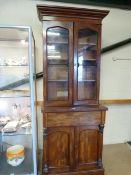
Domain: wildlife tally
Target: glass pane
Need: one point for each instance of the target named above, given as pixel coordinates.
(57, 35)
(58, 72)
(57, 55)
(57, 90)
(15, 107)
(87, 65)
(86, 90)
(86, 73)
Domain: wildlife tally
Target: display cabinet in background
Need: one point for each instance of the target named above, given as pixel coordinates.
(18, 145)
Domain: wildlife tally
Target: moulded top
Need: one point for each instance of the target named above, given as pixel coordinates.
(60, 11)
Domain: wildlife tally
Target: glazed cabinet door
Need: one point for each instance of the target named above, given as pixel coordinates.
(58, 53)
(88, 148)
(58, 152)
(86, 63)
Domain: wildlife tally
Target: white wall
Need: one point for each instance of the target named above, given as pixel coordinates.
(116, 27)
(118, 124)
(116, 84)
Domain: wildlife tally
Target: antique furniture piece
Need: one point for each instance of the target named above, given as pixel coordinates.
(73, 120)
(17, 111)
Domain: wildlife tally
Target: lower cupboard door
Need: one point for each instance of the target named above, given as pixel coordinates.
(59, 149)
(87, 150)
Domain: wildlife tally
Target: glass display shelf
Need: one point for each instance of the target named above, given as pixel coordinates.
(12, 66)
(19, 131)
(18, 150)
(14, 93)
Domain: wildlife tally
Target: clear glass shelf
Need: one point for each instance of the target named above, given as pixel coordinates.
(12, 66)
(20, 131)
(14, 93)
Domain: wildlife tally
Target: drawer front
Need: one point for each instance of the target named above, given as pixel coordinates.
(73, 118)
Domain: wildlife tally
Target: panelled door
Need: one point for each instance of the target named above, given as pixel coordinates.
(58, 56)
(59, 150)
(86, 63)
(87, 147)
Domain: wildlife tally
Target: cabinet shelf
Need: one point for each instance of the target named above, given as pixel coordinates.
(87, 65)
(57, 62)
(89, 44)
(86, 81)
(89, 60)
(87, 47)
(91, 64)
(57, 42)
(58, 81)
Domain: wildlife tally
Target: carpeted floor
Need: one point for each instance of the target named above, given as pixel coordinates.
(117, 159)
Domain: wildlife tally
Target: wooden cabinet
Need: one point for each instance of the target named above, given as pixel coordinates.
(73, 140)
(73, 120)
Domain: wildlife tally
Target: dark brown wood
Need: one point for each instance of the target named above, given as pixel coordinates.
(59, 11)
(87, 147)
(73, 127)
(90, 172)
(55, 12)
(100, 145)
(45, 145)
(60, 149)
(83, 133)
(75, 109)
(73, 119)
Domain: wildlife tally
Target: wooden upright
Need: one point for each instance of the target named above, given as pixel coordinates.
(73, 120)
